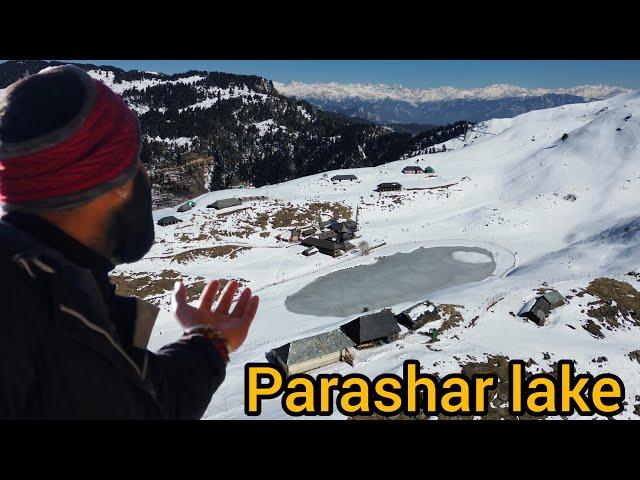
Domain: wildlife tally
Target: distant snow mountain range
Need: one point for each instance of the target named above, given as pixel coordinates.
(381, 91)
(385, 103)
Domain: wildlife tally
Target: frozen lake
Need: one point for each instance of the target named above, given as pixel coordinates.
(397, 278)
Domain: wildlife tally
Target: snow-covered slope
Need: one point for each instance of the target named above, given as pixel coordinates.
(550, 211)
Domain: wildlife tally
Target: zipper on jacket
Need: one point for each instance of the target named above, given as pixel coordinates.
(96, 328)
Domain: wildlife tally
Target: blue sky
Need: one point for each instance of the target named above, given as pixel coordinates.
(414, 73)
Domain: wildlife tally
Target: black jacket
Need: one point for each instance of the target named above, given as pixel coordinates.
(70, 351)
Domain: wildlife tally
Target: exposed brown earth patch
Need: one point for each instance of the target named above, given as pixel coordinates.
(230, 251)
(300, 215)
(618, 306)
(452, 316)
(153, 286)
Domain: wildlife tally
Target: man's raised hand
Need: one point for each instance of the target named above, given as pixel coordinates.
(233, 325)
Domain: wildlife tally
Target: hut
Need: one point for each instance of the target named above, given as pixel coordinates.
(187, 206)
(170, 220)
(313, 352)
(412, 169)
(327, 247)
(342, 178)
(372, 329)
(344, 230)
(416, 316)
(389, 187)
(225, 203)
(537, 309)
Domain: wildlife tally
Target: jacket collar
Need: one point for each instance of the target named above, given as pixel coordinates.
(75, 294)
(67, 246)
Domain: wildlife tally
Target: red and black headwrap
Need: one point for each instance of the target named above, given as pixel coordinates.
(73, 150)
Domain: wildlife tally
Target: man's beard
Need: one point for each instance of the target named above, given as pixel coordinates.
(132, 231)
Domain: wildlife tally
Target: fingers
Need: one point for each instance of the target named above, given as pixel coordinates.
(209, 295)
(243, 301)
(245, 322)
(252, 308)
(226, 299)
(179, 295)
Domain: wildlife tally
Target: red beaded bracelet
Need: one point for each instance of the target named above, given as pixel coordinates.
(213, 335)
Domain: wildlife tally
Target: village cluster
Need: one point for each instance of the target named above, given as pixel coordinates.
(330, 237)
(379, 328)
(218, 205)
(366, 331)
(334, 237)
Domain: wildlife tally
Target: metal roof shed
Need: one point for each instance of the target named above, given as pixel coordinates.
(170, 220)
(416, 316)
(554, 298)
(187, 206)
(225, 203)
(536, 310)
(389, 186)
(340, 178)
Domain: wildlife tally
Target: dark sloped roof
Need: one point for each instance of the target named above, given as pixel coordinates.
(186, 206)
(225, 203)
(542, 304)
(389, 185)
(170, 220)
(324, 244)
(371, 327)
(342, 227)
(537, 309)
(326, 223)
(312, 347)
(327, 234)
(346, 246)
(554, 298)
(412, 168)
(344, 177)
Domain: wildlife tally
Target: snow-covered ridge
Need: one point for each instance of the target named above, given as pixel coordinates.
(107, 77)
(370, 91)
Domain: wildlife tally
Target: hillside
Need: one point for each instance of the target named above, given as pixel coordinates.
(206, 131)
(547, 213)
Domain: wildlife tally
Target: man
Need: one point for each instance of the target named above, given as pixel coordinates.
(77, 202)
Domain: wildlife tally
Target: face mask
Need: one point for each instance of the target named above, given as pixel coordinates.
(132, 228)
